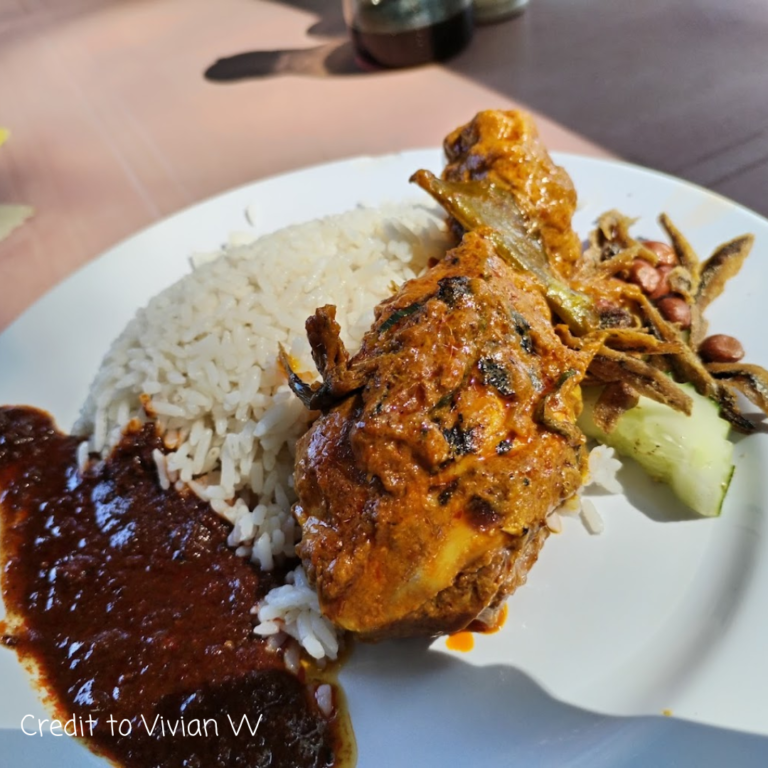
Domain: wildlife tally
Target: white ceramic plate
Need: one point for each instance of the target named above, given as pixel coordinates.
(661, 612)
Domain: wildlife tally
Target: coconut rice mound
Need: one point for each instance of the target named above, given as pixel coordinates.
(200, 362)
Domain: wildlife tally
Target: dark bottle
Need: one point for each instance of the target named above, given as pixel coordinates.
(406, 33)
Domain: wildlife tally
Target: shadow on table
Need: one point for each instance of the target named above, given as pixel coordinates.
(332, 58)
(440, 710)
(336, 58)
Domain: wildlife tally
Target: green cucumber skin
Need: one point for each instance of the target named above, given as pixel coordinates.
(691, 454)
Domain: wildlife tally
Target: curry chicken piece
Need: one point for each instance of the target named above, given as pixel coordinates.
(423, 490)
(424, 485)
(504, 148)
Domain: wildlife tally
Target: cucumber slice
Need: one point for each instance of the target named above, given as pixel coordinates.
(692, 454)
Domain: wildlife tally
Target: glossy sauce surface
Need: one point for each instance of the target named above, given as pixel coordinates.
(465, 641)
(128, 601)
(460, 641)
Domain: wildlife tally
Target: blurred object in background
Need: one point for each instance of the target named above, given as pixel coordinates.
(490, 11)
(11, 216)
(406, 33)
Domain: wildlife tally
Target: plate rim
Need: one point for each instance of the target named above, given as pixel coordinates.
(324, 166)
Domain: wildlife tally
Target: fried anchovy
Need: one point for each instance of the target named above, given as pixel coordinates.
(751, 380)
(720, 267)
(639, 342)
(685, 253)
(613, 402)
(618, 263)
(611, 365)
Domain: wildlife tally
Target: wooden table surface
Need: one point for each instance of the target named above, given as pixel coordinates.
(677, 85)
(114, 124)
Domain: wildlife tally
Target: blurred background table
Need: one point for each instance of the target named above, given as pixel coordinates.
(114, 124)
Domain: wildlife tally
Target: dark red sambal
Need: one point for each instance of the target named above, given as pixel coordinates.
(127, 601)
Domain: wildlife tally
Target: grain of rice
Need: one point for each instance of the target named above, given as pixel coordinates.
(324, 634)
(554, 522)
(603, 466)
(307, 637)
(196, 433)
(292, 658)
(82, 456)
(162, 472)
(324, 699)
(262, 553)
(591, 517)
(266, 628)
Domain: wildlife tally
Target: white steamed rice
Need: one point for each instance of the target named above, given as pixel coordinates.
(200, 360)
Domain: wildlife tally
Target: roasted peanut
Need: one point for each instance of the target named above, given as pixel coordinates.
(721, 349)
(663, 288)
(665, 253)
(676, 310)
(644, 275)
